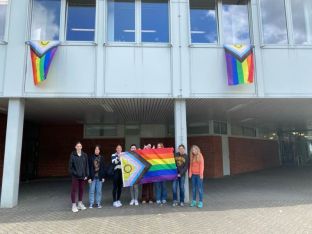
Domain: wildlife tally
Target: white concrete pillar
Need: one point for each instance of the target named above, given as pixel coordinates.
(12, 154)
(225, 156)
(181, 134)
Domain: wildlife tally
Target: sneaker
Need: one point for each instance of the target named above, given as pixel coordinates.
(74, 208)
(193, 203)
(90, 206)
(99, 206)
(200, 204)
(132, 203)
(175, 203)
(119, 203)
(143, 202)
(158, 202)
(164, 201)
(136, 202)
(81, 206)
(115, 204)
(181, 204)
(150, 202)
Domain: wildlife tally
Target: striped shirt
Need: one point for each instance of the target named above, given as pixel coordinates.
(116, 161)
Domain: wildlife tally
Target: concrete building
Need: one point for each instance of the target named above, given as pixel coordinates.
(143, 71)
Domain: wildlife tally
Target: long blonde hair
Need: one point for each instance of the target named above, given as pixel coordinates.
(195, 157)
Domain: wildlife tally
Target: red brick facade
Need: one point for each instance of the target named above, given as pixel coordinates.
(248, 155)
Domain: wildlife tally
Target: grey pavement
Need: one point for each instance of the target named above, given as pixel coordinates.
(271, 201)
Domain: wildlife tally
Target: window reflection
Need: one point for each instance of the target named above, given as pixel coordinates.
(80, 20)
(235, 22)
(45, 20)
(274, 22)
(203, 21)
(155, 21)
(302, 21)
(121, 20)
(3, 9)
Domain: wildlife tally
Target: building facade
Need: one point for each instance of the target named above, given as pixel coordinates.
(144, 71)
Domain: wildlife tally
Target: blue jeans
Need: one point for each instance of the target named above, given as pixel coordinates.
(95, 187)
(161, 191)
(178, 182)
(197, 183)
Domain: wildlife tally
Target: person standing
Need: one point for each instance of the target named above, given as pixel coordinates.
(96, 177)
(117, 178)
(134, 190)
(79, 171)
(196, 173)
(148, 189)
(161, 190)
(182, 163)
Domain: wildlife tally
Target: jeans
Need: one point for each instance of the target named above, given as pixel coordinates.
(147, 192)
(77, 184)
(117, 185)
(178, 182)
(134, 190)
(161, 191)
(95, 187)
(197, 183)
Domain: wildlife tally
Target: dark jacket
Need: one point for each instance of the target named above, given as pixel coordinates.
(78, 165)
(182, 162)
(92, 172)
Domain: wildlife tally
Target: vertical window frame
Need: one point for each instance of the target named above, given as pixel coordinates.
(4, 40)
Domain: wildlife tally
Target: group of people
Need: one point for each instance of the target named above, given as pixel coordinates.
(92, 168)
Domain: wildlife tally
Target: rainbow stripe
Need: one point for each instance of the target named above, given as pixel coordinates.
(41, 53)
(240, 64)
(163, 166)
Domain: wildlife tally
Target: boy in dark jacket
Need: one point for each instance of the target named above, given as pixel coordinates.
(182, 163)
(96, 177)
(79, 170)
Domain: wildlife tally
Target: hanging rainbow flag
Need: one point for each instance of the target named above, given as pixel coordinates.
(42, 53)
(240, 64)
(148, 166)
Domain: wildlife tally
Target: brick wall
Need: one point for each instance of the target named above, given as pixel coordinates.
(58, 141)
(247, 155)
(3, 120)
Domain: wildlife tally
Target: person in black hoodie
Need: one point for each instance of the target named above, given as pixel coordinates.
(96, 177)
(79, 170)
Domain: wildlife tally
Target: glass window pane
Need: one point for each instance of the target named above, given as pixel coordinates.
(274, 22)
(45, 20)
(235, 22)
(302, 21)
(80, 20)
(121, 20)
(155, 21)
(3, 9)
(203, 21)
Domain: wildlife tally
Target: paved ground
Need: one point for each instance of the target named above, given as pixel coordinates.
(272, 201)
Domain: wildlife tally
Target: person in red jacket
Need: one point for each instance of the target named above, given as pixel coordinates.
(196, 173)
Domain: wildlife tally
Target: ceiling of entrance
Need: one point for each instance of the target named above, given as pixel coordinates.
(267, 113)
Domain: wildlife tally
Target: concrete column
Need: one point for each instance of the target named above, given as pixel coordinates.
(225, 156)
(12, 154)
(181, 133)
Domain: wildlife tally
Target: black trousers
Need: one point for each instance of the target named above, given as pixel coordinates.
(117, 185)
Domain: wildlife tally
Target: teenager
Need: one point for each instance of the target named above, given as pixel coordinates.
(134, 190)
(161, 190)
(79, 171)
(96, 177)
(182, 163)
(148, 189)
(196, 173)
(117, 178)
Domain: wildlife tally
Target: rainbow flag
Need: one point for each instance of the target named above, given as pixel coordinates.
(42, 53)
(240, 64)
(148, 166)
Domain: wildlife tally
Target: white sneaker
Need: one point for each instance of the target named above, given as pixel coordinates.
(164, 201)
(158, 202)
(119, 203)
(115, 204)
(132, 203)
(81, 206)
(74, 208)
(136, 202)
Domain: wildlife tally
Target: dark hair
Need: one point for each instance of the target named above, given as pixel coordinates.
(161, 144)
(98, 146)
(133, 145)
(78, 142)
(181, 146)
(118, 145)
